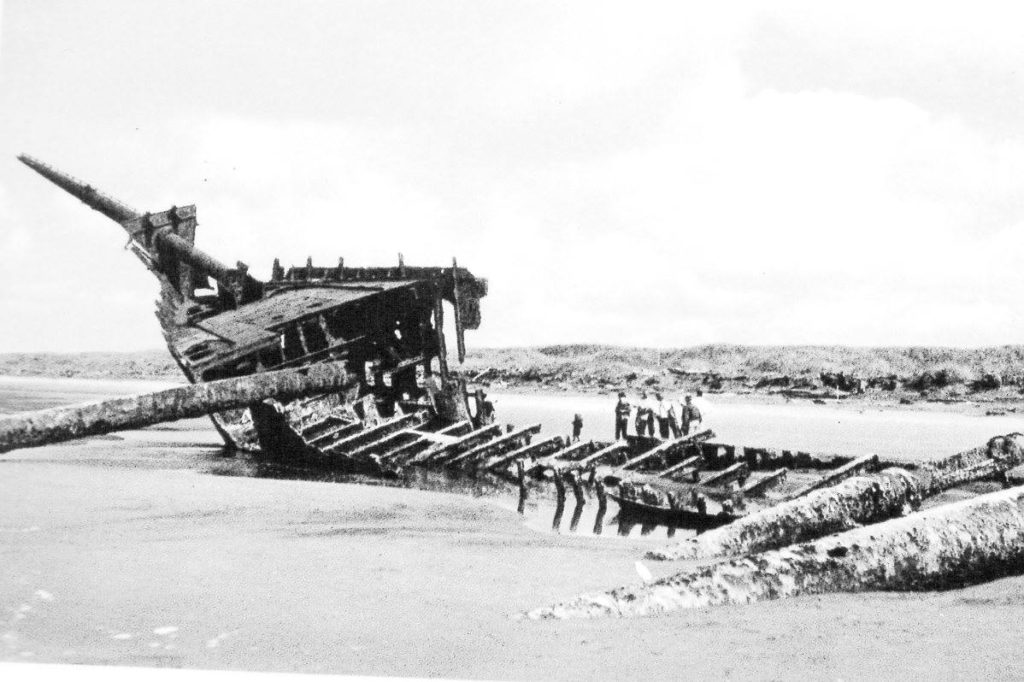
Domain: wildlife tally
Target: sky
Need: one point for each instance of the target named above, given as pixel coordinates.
(626, 173)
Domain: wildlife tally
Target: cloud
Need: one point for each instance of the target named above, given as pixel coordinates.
(781, 217)
(653, 175)
(748, 217)
(955, 63)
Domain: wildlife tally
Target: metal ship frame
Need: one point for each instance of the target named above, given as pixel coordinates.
(386, 324)
(395, 404)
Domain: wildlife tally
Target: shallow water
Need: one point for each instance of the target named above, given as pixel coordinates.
(194, 444)
(803, 426)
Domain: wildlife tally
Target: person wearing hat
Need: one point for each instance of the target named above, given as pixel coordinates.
(691, 414)
(643, 414)
(622, 410)
(487, 415)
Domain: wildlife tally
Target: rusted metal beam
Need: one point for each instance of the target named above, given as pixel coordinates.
(596, 457)
(948, 546)
(731, 473)
(460, 332)
(387, 440)
(373, 433)
(484, 448)
(665, 448)
(860, 465)
(442, 450)
(426, 438)
(761, 485)
(530, 450)
(335, 433)
(442, 348)
(30, 429)
(561, 455)
(694, 461)
(87, 194)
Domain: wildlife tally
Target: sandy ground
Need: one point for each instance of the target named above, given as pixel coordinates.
(1004, 402)
(125, 550)
(136, 561)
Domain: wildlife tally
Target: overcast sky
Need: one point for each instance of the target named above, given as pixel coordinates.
(623, 173)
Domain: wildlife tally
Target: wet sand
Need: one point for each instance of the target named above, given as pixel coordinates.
(127, 551)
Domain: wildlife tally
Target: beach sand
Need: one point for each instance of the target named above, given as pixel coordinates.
(125, 550)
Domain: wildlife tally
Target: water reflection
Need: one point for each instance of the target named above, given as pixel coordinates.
(542, 505)
(410, 477)
(577, 514)
(602, 507)
(556, 523)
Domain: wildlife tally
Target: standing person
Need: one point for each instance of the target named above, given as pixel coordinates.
(641, 414)
(675, 410)
(661, 413)
(649, 407)
(577, 427)
(690, 414)
(486, 410)
(622, 410)
(702, 405)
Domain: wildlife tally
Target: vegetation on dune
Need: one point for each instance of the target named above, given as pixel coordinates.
(153, 364)
(591, 365)
(594, 366)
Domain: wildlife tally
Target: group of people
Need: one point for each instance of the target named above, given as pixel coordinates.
(673, 418)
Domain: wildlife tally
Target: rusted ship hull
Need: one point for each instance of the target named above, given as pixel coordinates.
(386, 324)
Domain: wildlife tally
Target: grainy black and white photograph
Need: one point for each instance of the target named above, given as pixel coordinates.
(494, 340)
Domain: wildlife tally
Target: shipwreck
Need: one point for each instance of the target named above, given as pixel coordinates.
(348, 367)
(381, 328)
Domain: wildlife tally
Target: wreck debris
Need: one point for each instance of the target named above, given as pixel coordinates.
(539, 449)
(602, 506)
(944, 547)
(856, 501)
(384, 327)
(57, 424)
(688, 463)
(857, 466)
(510, 441)
(384, 324)
(664, 449)
(859, 500)
(524, 490)
(31, 429)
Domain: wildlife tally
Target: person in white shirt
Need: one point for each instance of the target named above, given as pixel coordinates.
(661, 412)
(675, 414)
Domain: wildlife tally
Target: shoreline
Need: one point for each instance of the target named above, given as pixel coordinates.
(990, 406)
(943, 380)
